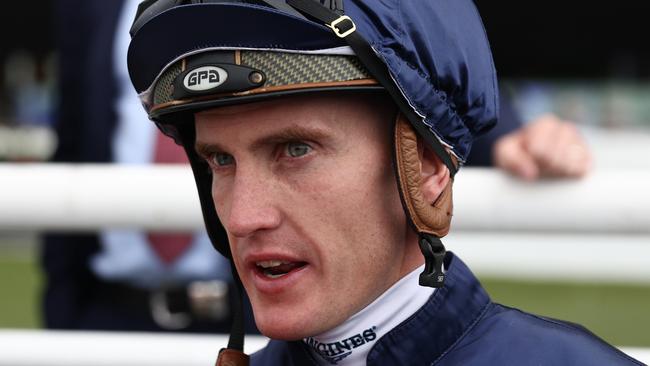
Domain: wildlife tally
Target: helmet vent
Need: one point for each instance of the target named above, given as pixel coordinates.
(165, 86)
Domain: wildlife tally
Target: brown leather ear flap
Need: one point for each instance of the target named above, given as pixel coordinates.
(431, 218)
(232, 357)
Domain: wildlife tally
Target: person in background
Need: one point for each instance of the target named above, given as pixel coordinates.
(546, 147)
(121, 279)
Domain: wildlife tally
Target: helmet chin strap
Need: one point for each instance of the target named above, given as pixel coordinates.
(234, 355)
(430, 220)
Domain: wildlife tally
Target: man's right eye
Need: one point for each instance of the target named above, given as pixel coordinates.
(222, 159)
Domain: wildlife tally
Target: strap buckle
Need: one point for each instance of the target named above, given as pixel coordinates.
(209, 299)
(163, 316)
(334, 26)
(177, 308)
(434, 256)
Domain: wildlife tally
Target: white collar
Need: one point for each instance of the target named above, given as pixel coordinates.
(349, 343)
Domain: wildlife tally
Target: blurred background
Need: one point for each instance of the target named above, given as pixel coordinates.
(586, 62)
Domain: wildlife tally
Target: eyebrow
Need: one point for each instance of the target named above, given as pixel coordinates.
(290, 133)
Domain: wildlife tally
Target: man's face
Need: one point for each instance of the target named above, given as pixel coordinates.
(306, 191)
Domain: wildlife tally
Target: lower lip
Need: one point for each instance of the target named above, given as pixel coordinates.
(276, 285)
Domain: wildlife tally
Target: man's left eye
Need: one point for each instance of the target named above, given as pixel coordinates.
(297, 149)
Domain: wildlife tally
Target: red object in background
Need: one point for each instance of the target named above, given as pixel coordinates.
(169, 246)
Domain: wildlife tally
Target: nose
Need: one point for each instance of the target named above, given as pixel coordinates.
(251, 207)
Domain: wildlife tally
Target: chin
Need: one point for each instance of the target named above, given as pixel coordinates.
(288, 322)
(283, 330)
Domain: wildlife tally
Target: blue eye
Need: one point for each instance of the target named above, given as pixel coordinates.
(221, 159)
(298, 149)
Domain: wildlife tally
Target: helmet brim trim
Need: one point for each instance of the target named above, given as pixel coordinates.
(191, 27)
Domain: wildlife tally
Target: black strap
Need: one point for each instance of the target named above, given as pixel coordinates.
(315, 10)
(434, 255)
(236, 340)
(343, 25)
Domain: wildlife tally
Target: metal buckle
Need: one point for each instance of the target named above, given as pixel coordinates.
(163, 316)
(209, 299)
(337, 31)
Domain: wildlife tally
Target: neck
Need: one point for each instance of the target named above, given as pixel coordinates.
(349, 343)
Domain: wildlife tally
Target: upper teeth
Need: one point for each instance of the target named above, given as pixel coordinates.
(269, 264)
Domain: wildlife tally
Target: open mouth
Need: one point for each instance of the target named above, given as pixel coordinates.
(277, 268)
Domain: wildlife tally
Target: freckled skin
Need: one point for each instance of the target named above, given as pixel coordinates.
(336, 207)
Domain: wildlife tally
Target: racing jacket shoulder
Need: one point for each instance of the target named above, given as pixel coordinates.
(460, 325)
(508, 336)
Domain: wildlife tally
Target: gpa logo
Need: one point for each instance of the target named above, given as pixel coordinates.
(204, 78)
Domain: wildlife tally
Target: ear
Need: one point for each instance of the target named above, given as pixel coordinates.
(434, 173)
(423, 180)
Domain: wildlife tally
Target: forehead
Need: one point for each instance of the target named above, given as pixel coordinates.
(328, 112)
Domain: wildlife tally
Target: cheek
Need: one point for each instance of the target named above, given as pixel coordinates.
(232, 242)
(221, 203)
(219, 192)
(358, 210)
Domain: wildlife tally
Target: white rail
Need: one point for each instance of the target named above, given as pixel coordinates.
(70, 348)
(87, 197)
(58, 348)
(543, 256)
(593, 229)
(596, 229)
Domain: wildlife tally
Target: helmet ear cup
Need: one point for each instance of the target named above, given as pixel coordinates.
(431, 218)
